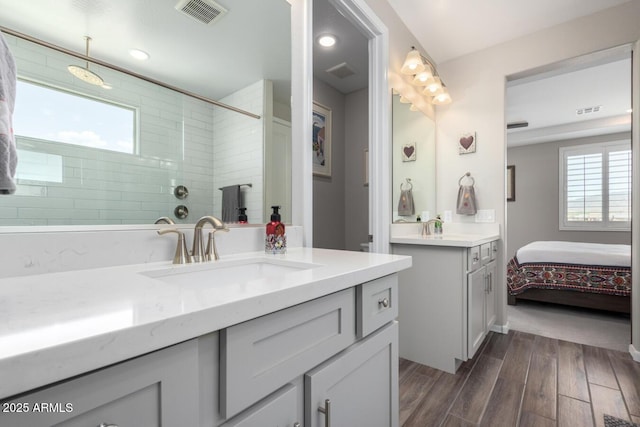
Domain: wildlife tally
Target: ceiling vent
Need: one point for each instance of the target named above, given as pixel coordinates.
(588, 110)
(341, 71)
(205, 11)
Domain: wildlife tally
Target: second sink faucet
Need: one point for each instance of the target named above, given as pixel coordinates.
(198, 252)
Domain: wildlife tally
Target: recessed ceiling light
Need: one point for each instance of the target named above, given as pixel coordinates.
(139, 54)
(327, 40)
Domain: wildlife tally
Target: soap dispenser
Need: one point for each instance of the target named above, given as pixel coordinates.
(276, 240)
(242, 216)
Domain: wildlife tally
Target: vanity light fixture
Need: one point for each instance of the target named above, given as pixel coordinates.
(413, 63)
(84, 73)
(413, 108)
(138, 54)
(425, 74)
(404, 100)
(422, 78)
(327, 40)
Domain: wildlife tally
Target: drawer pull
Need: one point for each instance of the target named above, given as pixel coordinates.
(326, 410)
(384, 302)
(107, 425)
(296, 425)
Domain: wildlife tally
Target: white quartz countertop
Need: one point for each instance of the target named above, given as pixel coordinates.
(54, 326)
(464, 240)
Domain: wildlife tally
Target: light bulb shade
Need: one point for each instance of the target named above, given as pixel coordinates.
(413, 108)
(85, 75)
(442, 99)
(433, 86)
(422, 78)
(413, 63)
(404, 100)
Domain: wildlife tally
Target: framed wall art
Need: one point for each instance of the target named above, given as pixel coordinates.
(321, 140)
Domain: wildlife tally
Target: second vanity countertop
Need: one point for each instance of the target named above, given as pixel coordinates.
(54, 326)
(459, 240)
(455, 234)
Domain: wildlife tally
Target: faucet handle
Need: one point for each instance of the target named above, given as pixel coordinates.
(212, 252)
(182, 253)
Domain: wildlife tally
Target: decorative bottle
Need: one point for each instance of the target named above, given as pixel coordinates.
(276, 240)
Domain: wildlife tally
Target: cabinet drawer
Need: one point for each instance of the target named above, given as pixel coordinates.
(485, 253)
(138, 392)
(376, 304)
(279, 409)
(473, 258)
(263, 354)
(494, 250)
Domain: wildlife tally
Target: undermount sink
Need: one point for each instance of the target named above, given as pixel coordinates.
(231, 272)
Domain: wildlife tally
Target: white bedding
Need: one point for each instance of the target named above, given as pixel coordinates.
(575, 253)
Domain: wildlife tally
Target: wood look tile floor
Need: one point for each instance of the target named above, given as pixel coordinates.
(525, 380)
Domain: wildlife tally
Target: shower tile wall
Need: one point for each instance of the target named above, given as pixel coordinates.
(239, 149)
(175, 147)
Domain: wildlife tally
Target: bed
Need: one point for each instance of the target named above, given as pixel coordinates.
(590, 275)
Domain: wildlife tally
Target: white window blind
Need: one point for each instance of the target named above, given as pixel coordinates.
(595, 186)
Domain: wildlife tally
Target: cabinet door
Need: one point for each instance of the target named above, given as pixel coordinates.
(358, 387)
(490, 312)
(158, 389)
(476, 328)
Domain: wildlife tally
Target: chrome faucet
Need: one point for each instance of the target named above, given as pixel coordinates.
(198, 252)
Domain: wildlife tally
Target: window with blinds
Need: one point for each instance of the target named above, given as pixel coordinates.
(595, 186)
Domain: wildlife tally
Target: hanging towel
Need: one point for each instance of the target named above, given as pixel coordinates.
(8, 156)
(405, 204)
(466, 200)
(230, 203)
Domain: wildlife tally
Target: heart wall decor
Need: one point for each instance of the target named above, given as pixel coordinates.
(409, 152)
(467, 143)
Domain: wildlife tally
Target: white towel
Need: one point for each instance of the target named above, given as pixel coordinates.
(8, 156)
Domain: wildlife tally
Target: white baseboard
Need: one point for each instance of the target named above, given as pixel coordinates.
(634, 353)
(501, 329)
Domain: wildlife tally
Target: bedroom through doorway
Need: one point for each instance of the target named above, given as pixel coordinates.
(568, 236)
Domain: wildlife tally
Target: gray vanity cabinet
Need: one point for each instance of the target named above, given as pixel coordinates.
(447, 302)
(358, 387)
(342, 346)
(156, 389)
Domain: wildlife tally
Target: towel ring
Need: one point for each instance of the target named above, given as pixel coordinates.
(468, 174)
(408, 183)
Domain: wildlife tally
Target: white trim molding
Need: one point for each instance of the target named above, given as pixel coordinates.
(635, 354)
(301, 111)
(361, 15)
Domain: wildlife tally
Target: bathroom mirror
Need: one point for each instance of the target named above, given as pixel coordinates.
(85, 174)
(414, 164)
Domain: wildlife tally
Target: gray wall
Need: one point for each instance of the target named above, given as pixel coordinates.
(328, 193)
(534, 214)
(356, 193)
(341, 203)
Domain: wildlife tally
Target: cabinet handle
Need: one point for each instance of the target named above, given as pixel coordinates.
(296, 425)
(475, 258)
(383, 302)
(490, 282)
(107, 425)
(326, 410)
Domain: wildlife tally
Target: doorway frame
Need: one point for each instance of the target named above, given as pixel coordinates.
(363, 17)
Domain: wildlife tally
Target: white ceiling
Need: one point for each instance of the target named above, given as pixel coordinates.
(250, 42)
(451, 28)
(351, 48)
(547, 99)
